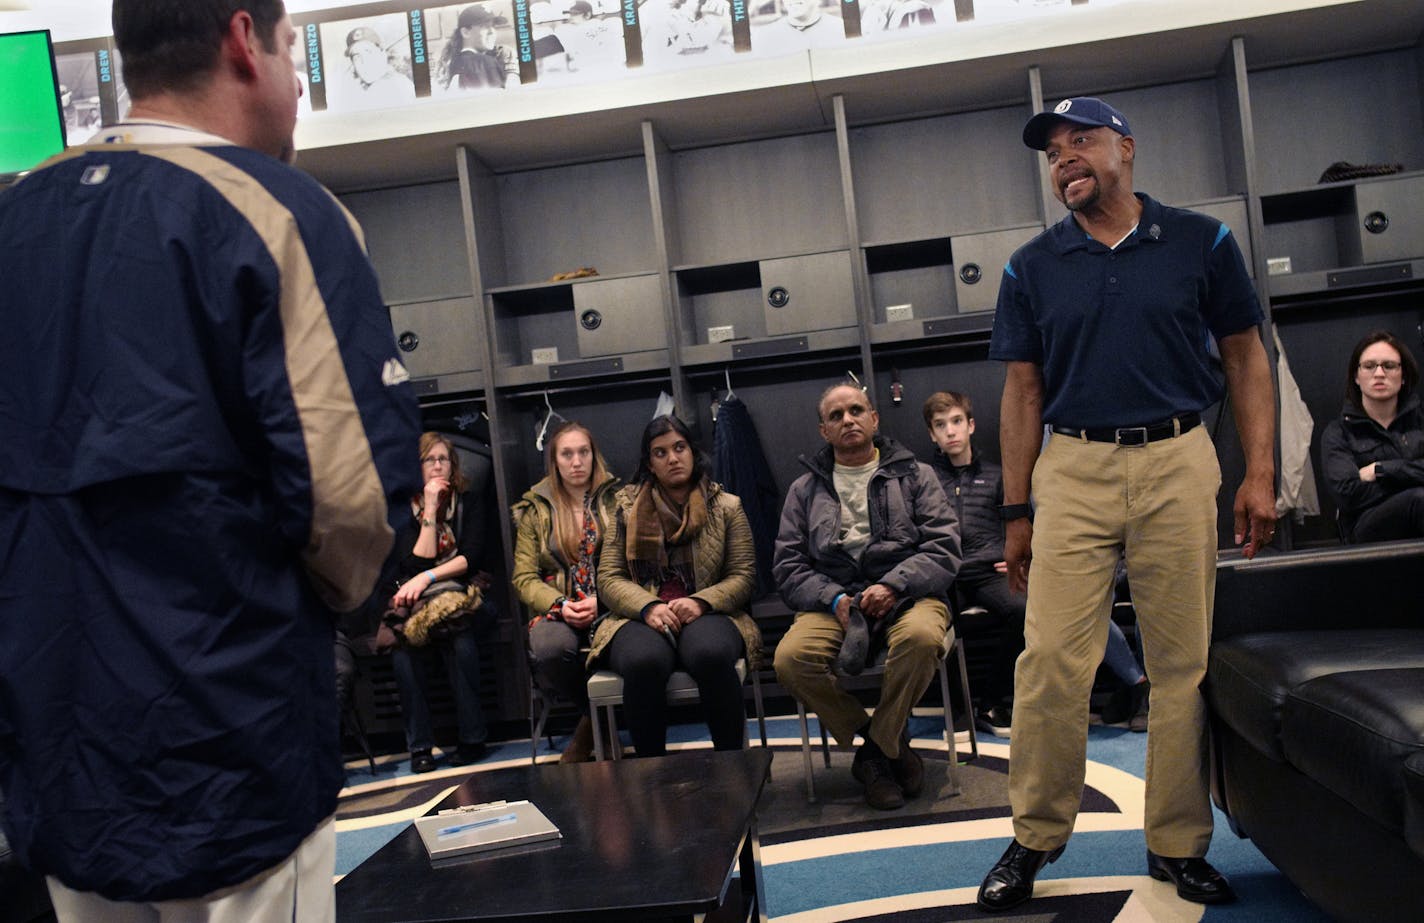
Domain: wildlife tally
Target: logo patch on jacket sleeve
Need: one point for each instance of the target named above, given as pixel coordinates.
(393, 373)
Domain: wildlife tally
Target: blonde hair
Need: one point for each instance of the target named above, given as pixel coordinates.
(568, 513)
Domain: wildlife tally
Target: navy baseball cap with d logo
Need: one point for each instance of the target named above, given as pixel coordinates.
(1080, 110)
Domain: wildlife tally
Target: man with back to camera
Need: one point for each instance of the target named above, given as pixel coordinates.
(975, 489)
(205, 437)
(866, 536)
(1105, 321)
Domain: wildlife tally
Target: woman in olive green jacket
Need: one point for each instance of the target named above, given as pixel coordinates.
(676, 575)
(560, 524)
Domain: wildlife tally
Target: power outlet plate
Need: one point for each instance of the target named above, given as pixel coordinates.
(547, 355)
(899, 312)
(721, 334)
(1278, 266)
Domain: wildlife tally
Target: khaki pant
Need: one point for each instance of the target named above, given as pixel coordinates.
(299, 888)
(1157, 503)
(805, 655)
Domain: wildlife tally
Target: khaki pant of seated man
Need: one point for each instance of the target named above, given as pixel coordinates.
(916, 642)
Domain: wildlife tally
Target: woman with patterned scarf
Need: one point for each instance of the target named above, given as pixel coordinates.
(560, 524)
(676, 575)
(438, 603)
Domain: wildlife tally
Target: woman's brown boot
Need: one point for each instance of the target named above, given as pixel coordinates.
(580, 748)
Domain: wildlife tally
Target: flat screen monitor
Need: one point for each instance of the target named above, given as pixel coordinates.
(31, 112)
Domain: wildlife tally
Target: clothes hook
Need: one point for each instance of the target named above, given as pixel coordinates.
(549, 418)
(727, 377)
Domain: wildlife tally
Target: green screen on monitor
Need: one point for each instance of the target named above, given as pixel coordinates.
(31, 118)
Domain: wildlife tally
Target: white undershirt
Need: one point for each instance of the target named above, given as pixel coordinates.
(853, 487)
(1124, 237)
(153, 131)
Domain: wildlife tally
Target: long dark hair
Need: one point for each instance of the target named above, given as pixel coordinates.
(669, 423)
(456, 43)
(1408, 368)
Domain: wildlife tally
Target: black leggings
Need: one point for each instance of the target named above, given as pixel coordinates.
(1401, 516)
(708, 649)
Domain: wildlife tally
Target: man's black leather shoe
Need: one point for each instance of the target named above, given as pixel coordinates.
(1010, 882)
(421, 761)
(1195, 879)
(909, 769)
(871, 769)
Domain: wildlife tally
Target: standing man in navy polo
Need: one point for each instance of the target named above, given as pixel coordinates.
(1105, 322)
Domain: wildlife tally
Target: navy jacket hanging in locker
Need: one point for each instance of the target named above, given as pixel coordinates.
(739, 464)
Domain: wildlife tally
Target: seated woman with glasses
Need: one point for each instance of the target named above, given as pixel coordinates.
(1374, 452)
(439, 607)
(675, 575)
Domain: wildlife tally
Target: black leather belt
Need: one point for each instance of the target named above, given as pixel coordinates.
(1135, 435)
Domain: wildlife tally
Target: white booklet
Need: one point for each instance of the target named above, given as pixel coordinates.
(477, 827)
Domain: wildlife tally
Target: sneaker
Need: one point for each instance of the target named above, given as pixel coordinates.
(468, 753)
(421, 761)
(1140, 695)
(882, 792)
(997, 720)
(855, 646)
(1120, 706)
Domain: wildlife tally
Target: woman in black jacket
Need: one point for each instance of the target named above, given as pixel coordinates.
(1374, 453)
(442, 541)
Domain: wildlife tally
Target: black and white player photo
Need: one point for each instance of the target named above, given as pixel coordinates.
(79, 94)
(472, 47)
(367, 63)
(679, 33)
(786, 26)
(1009, 10)
(586, 44)
(892, 18)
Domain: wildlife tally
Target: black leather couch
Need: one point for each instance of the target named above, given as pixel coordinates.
(1316, 691)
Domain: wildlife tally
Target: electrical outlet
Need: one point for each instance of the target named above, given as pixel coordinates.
(1278, 266)
(720, 334)
(899, 312)
(546, 356)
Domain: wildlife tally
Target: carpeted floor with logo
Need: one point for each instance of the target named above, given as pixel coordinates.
(838, 860)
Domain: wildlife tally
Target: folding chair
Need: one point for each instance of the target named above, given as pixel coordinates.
(871, 679)
(605, 691)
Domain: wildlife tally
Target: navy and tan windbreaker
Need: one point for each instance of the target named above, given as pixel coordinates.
(204, 437)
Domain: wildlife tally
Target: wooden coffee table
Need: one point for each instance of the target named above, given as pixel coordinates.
(655, 840)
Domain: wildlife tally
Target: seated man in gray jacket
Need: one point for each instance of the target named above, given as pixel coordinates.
(868, 546)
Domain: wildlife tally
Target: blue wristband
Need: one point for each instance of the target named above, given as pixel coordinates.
(430, 576)
(836, 602)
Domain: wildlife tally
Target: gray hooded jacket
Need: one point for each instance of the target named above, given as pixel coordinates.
(914, 535)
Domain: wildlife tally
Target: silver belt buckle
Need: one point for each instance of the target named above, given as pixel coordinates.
(1130, 436)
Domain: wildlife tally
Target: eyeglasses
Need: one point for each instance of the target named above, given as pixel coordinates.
(435, 460)
(1389, 365)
